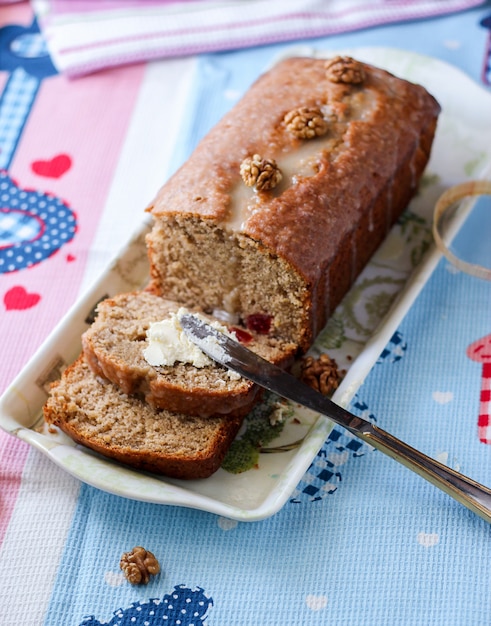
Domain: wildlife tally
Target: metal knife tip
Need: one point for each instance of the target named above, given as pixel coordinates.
(205, 337)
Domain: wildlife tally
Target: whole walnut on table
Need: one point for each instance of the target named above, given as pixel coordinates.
(138, 565)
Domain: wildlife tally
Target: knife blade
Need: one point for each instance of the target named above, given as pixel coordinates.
(232, 355)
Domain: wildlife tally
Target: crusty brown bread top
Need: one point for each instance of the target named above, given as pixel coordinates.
(96, 414)
(114, 348)
(339, 193)
(375, 126)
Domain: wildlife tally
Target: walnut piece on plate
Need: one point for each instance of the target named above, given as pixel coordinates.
(322, 374)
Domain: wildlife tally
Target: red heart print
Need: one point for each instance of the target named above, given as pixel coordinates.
(70, 258)
(52, 168)
(18, 299)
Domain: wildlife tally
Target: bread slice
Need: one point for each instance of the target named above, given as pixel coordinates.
(95, 413)
(114, 348)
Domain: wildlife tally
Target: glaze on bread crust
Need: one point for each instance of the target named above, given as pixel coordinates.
(96, 414)
(114, 345)
(292, 251)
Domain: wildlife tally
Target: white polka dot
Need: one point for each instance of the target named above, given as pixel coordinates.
(442, 397)
(316, 603)
(226, 524)
(114, 579)
(428, 540)
(452, 44)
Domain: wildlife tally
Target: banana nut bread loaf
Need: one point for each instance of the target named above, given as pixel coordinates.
(282, 204)
(96, 414)
(115, 344)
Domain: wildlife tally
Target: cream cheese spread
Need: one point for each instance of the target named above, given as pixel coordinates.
(167, 343)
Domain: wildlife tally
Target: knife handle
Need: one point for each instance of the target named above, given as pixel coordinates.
(468, 492)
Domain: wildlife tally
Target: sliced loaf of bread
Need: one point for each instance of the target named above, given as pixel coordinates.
(270, 220)
(114, 346)
(95, 413)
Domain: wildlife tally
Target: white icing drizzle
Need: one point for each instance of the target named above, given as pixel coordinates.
(297, 164)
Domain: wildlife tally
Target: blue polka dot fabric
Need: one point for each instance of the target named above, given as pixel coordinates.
(33, 225)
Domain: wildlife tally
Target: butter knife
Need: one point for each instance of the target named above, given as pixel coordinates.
(231, 354)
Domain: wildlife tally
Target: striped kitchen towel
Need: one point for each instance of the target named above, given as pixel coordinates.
(84, 36)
